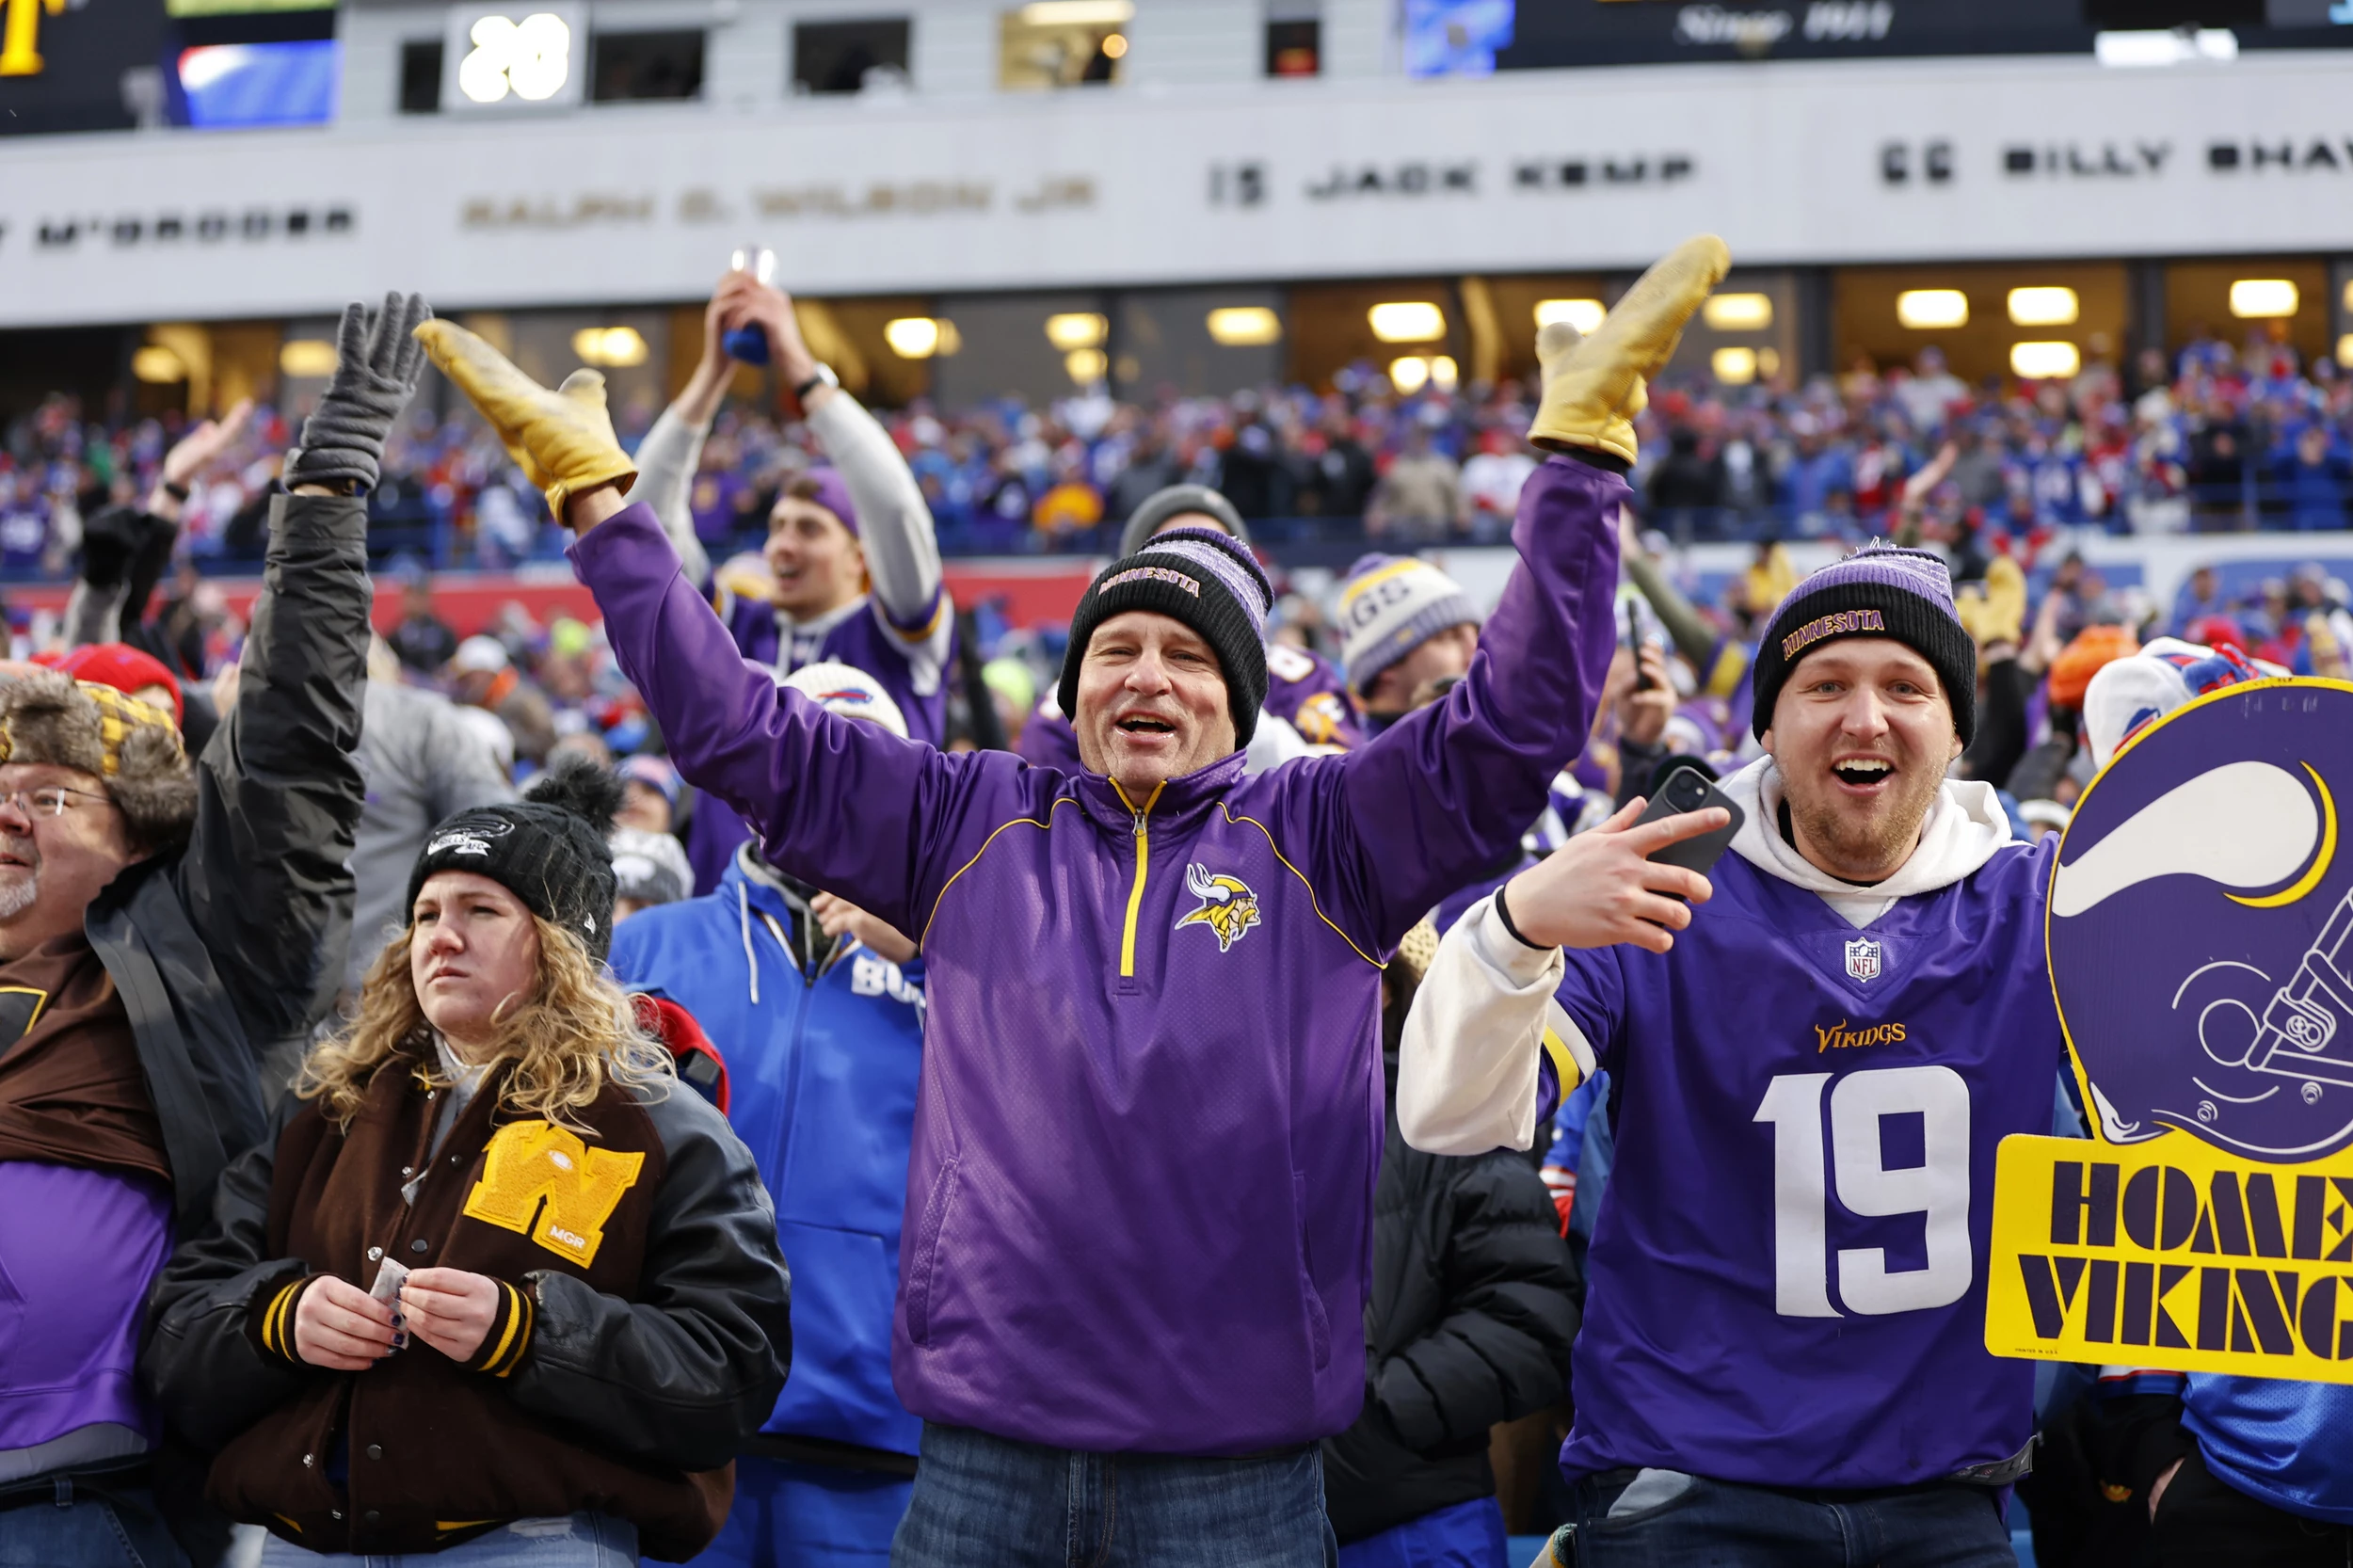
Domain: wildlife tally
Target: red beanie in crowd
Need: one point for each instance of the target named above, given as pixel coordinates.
(124, 668)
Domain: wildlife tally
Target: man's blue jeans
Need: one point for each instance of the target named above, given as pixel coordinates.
(1706, 1523)
(983, 1499)
(117, 1528)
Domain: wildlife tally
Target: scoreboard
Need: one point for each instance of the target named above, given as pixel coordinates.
(1447, 37)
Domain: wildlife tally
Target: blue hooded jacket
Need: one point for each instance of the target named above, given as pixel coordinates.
(822, 1071)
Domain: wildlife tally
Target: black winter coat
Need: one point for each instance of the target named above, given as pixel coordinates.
(1475, 1302)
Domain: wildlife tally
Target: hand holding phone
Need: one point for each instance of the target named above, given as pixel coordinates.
(1634, 878)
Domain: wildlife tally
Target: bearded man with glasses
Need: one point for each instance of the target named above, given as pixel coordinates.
(165, 927)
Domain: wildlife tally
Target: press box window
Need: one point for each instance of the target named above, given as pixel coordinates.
(1063, 43)
(635, 67)
(1294, 38)
(421, 76)
(848, 57)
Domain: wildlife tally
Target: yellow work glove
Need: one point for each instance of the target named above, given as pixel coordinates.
(1997, 612)
(563, 440)
(1594, 388)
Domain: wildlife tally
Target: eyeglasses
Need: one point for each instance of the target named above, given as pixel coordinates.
(50, 800)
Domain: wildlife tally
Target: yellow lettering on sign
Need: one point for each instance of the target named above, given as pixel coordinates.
(2171, 1254)
(540, 1180)
(19, 42)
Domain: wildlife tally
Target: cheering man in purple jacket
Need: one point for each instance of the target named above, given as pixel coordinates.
(1138, 1224)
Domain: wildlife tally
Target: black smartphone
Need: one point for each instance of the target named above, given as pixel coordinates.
(1686, 788)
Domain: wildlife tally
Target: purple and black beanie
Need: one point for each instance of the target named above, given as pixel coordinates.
(1881, 590)
(1204, 579)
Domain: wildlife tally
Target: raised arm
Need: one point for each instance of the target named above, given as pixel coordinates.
(894, 524)
(1442, 794)
(673, 448)
(267, 876)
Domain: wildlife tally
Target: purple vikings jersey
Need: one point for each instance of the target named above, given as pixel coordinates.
(1789, 1279)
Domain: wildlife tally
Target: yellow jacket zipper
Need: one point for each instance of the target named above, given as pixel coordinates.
(1144, 859)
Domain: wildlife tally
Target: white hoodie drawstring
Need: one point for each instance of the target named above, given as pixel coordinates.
(744, 917)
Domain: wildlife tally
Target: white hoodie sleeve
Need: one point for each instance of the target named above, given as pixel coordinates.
(1482, 1022)
(894, 524)
(666, 460)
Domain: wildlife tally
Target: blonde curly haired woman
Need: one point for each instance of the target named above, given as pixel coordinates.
(498, 1291)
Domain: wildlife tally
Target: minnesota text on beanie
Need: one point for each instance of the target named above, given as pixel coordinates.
(549, 849)
(1201, 577)
(1175, 501)
(1880, 590)
(47, 716)
(1389, 606)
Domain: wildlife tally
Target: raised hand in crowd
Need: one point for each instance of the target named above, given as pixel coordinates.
(1601, 887)
(838, 917)
(377, 363)
(193, 455)
(744, 300)
(1650, 702)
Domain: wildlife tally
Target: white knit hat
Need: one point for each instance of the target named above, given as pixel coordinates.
(1389, 605)
(850, 692)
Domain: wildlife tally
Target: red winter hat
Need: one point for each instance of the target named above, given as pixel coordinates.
(124, 668)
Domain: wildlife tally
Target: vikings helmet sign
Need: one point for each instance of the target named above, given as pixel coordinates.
(2199, 932)
(2200, 928)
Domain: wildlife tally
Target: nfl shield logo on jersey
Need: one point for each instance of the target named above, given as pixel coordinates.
(1862, 959)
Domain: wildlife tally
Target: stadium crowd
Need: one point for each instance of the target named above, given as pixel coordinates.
(674, 1084)
(2224, 438)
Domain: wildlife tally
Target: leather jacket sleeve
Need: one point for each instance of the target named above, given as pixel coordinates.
(688, 1371)
(209, 1376)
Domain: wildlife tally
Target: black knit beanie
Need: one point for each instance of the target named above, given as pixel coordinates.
(1880, 590)
(1203, 577)
(548, 849)
(1175, 501)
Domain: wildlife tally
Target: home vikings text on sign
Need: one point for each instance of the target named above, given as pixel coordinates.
(2208, 1226)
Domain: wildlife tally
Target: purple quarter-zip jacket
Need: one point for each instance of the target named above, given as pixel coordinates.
(1138, 1213)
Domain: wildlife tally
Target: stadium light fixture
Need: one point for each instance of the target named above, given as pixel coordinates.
(1583, 314)
(158, 366)
(1077, 13)
(1245, 325)
(2344, 352)
(1114, 46)
(1409, 374)
(1734, 367)
(1407, 321)
(1768, 361)
(1932, 310)
(2044, 307)
(312, 357)
(2263, 298)
(912, 337)
(1077, 329)
(1086, 365)
(2348, 296)
(617, 347)
(2044, 361)
(1739, 313)
(1444, 374)
(2138, 48)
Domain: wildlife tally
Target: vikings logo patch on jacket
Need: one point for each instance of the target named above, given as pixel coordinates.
(1227, 907)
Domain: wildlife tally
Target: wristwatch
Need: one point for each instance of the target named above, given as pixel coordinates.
(824, 378)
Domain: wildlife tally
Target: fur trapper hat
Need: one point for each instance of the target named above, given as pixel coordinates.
(132, 746)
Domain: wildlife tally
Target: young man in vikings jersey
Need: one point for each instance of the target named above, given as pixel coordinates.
(1784, 1356)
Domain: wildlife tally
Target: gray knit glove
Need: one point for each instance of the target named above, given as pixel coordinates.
(377, 366)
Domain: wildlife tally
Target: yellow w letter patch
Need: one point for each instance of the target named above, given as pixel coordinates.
(538, 1172)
